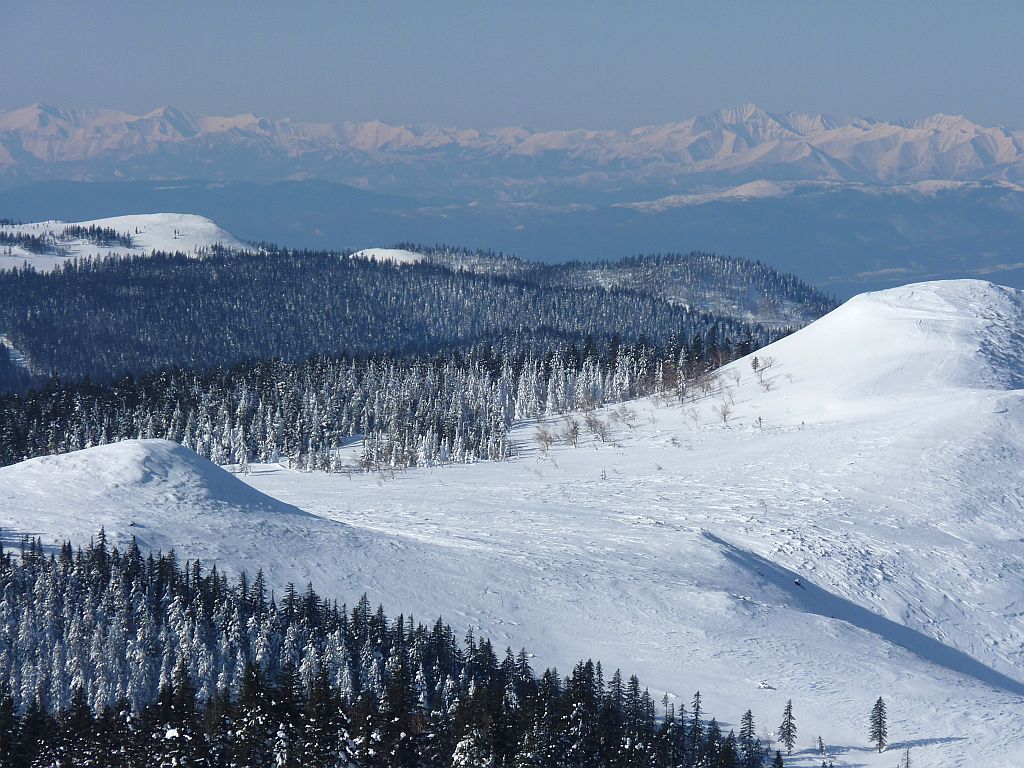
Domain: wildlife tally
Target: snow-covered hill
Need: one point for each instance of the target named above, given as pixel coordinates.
(393, 255)
(173, 490)
(842, 523)
(169, 232)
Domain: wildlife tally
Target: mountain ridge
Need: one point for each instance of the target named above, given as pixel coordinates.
(723, 148)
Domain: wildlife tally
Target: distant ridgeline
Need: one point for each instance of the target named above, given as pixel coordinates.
(276, 353)
(134, 659)
(706, 282)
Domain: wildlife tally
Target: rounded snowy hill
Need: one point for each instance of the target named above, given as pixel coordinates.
(841, 523)
(879, 349)
(166, 496)
(133, 487)
(142, 234)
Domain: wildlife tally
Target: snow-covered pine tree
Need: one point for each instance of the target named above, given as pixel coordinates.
(750, 747)
(472, 751)
(211, 674)
(878, 731)
(787, 730)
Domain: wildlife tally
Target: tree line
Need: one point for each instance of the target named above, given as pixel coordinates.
(104, 237)
(413, 411)
(138, 659)
(109, 317)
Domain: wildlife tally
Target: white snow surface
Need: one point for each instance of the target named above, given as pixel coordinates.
(878, 465)
(170, 232)
(393, 255)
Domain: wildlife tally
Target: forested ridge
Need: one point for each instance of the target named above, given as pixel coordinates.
(708, 282)
(127, 659)
(410, 411)
(107, 317)
(277, 354)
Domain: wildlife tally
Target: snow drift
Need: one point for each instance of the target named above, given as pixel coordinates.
(880, 350)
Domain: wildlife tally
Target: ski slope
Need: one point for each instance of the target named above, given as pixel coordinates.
(169, 232)
(844, 524)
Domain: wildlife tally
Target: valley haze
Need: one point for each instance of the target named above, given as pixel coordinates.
(848, 203)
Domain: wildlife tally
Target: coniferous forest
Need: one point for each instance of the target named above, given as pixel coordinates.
(407, 412)
(128, 659)
(110, 317)
(279, 354)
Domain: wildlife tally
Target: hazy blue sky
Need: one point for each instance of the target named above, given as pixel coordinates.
(543, 64)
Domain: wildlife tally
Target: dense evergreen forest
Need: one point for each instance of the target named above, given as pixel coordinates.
(128, 659)
(277, 354)
(105, 318)
(708, 282)
(416, 411)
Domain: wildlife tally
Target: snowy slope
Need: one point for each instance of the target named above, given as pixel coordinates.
(393, 255)
(877, 464)
(170, 232)
(764, 189)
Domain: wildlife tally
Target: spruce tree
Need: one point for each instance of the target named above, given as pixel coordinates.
(304, 682)
(878, 731)
(696, 727)
(749, 746)
(787, 731)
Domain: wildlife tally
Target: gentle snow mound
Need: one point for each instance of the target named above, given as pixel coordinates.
(169, 232)
(168, 486)
(393, 255)
(886, 347)
(139, 468)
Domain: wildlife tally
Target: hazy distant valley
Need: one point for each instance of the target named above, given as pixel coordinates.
(849, 204)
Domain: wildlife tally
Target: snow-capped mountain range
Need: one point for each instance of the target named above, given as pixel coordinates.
(839, 522)
(723, 149)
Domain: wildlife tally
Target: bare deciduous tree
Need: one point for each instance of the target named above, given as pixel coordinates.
(597, 427)
(724, 409)
(545, 437)
(572, 431)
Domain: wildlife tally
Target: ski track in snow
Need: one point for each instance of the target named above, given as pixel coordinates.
(884, 475)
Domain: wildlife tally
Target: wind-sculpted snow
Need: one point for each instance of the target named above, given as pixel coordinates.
(917, 340)
(812, 599)
(842, 522)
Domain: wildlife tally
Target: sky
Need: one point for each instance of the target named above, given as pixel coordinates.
(544, 65)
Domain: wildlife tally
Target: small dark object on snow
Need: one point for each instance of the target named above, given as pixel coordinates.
(797, 582)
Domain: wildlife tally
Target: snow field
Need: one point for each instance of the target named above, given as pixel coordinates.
(393, 255)
(169, 232)
(875, 460)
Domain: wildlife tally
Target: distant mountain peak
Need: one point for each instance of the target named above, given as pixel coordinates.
(744, 113)
(730, 147)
